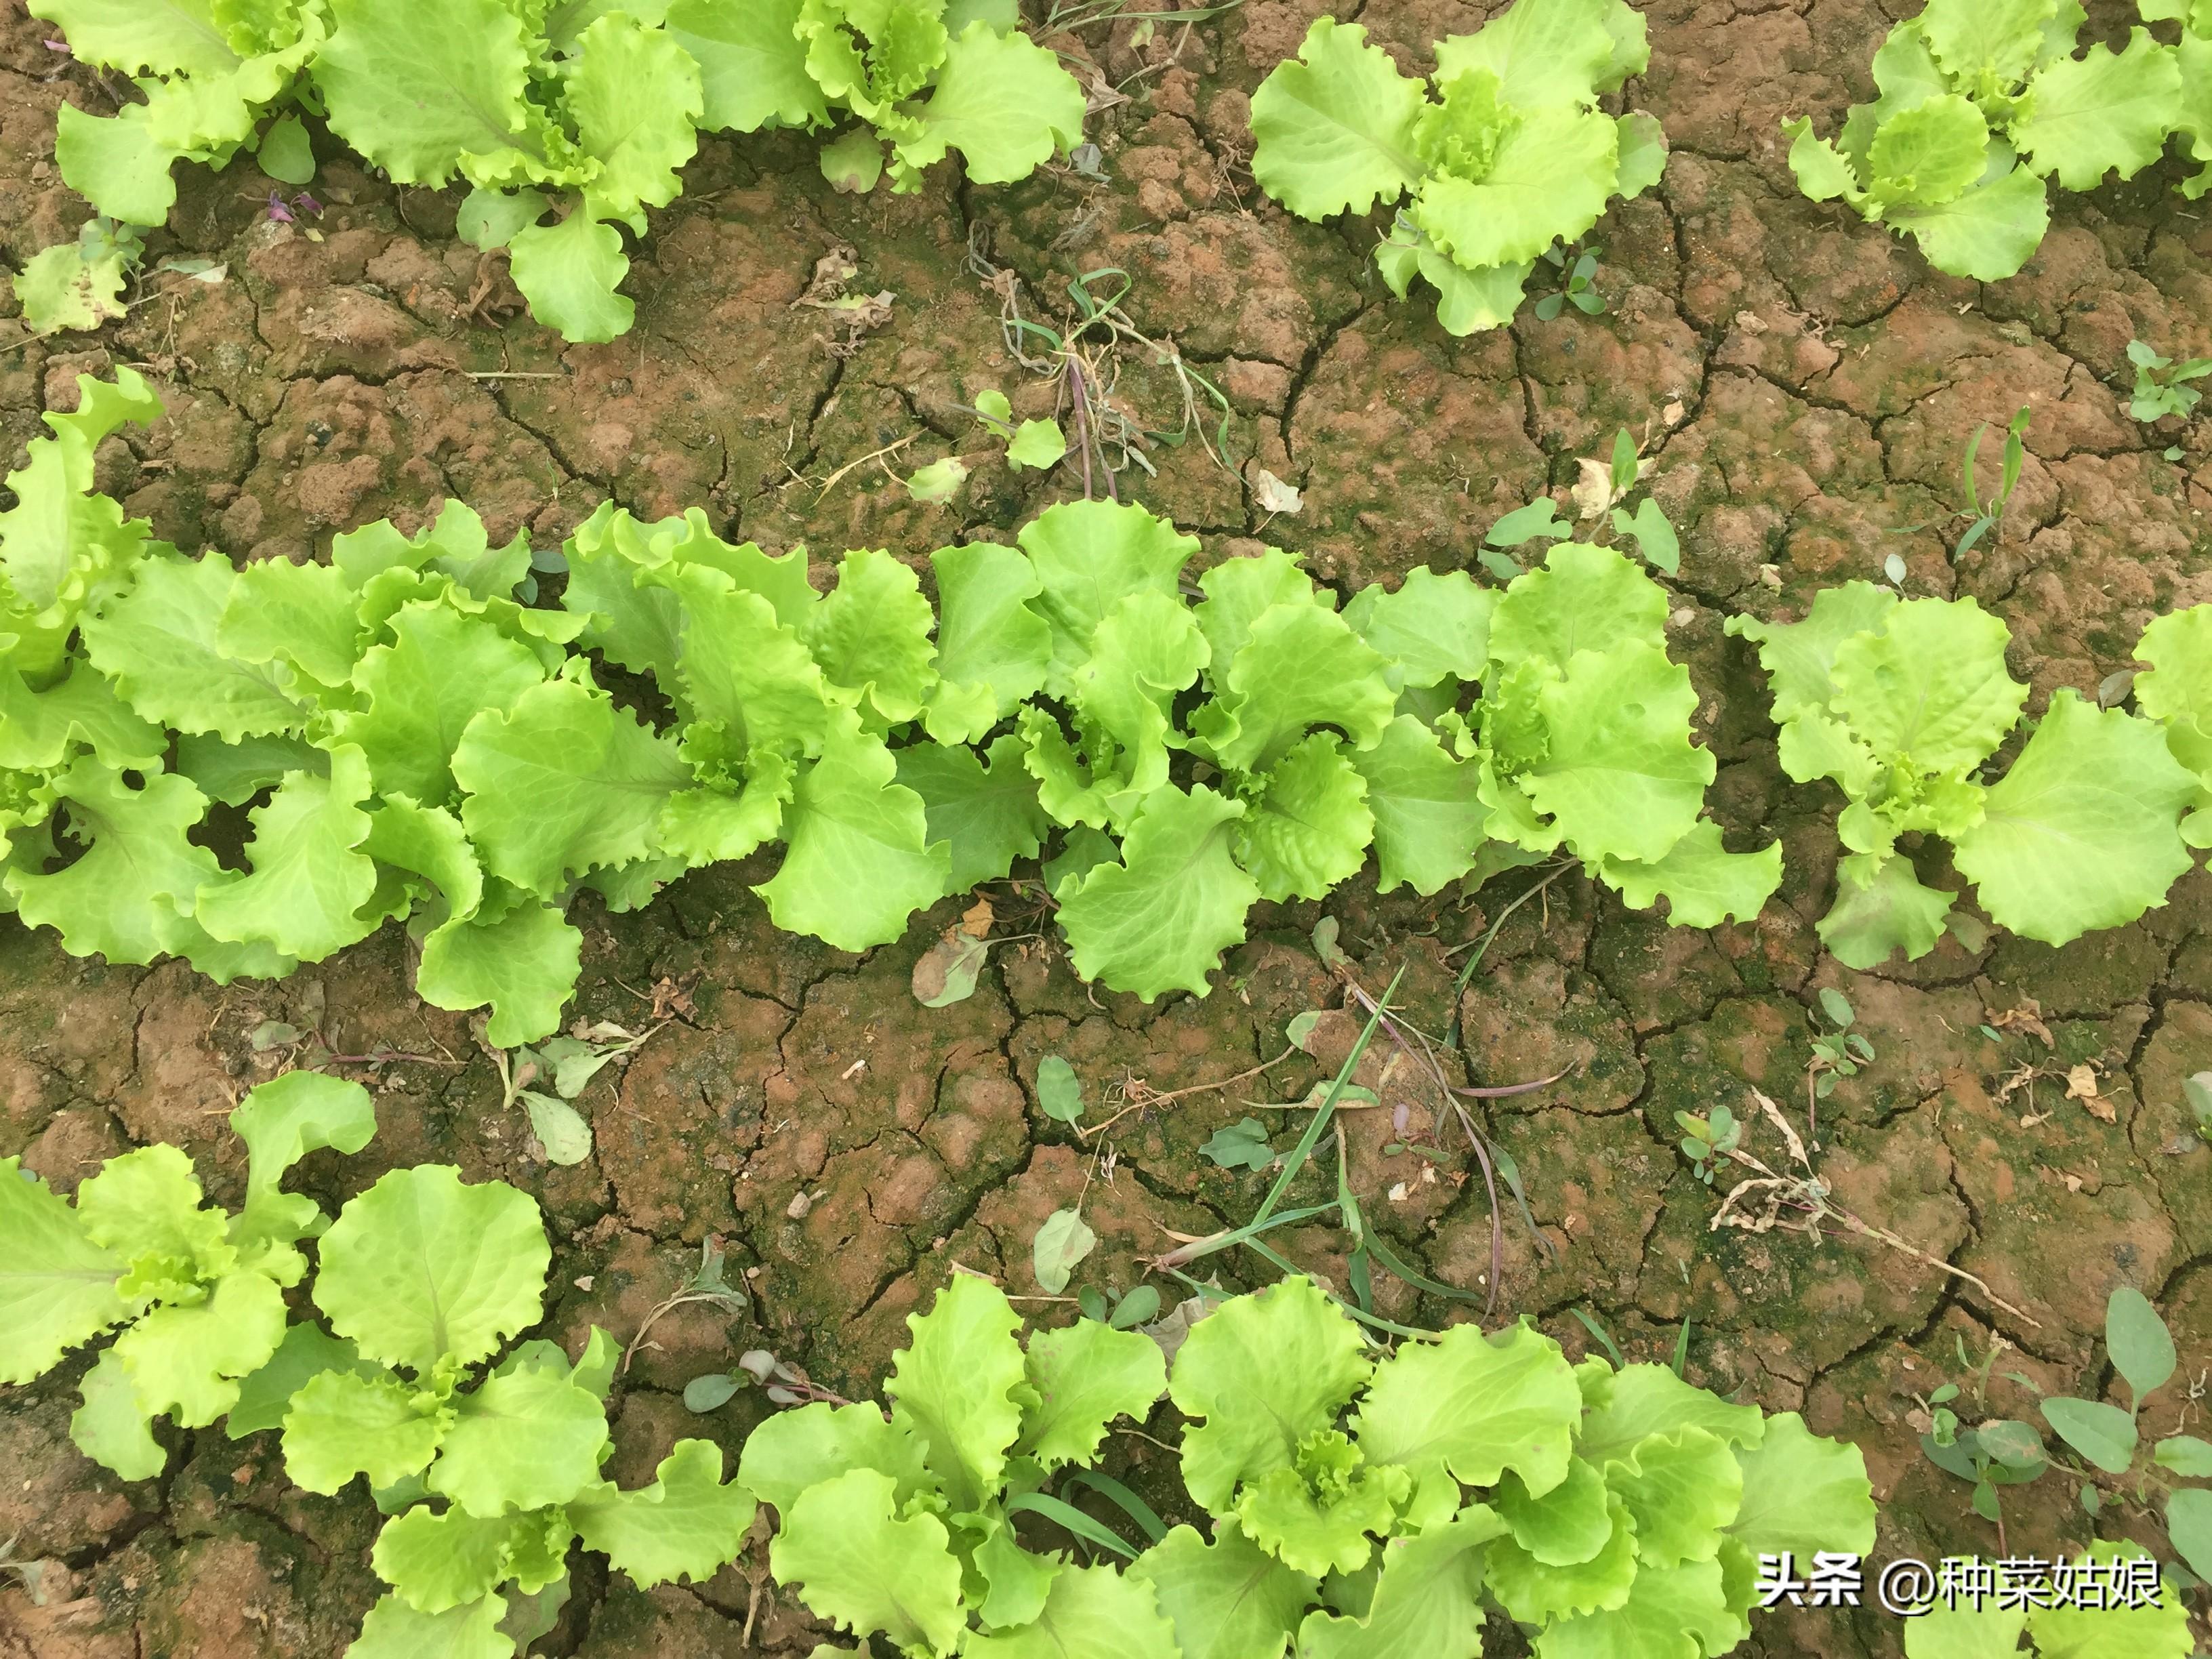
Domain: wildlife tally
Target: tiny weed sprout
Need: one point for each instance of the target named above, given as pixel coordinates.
(1708, 1139)
(1981, 106)
(1840, 1051)
(2162, 386)
(1574, 287)
(1510, 157)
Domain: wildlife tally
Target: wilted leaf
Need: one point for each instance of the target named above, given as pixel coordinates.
(2081, 1085)
(946, 973)
(1063, 1240)
(1271, 494)
(939, 482)
(559, 1128)
(1059, 1090)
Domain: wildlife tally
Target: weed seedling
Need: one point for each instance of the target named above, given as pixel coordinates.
(1708, 1139)
(2161, 383)
(1988, 515)
(1574, 287)
(1838, 1053)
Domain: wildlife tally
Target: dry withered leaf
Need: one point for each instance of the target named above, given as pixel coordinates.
(2081, 1085)
(2028, 1019)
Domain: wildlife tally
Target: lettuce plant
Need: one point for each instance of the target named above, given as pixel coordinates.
(1510, 157)
(1358, 1508)
(488, 1479)
(1903, 702)
(413, 742)
(574, 106)
(1981, 103)
(2193, 54)
(199, 1294)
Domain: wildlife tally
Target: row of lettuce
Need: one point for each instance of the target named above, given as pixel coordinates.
(1361, 1506)
(581, 108)
(413, 742)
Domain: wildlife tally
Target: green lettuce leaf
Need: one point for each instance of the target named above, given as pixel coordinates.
(685, 1525)
(1003, 101)
(849, 814)
(956, 1383)
(1309, 826)
(1085, 1376)
(441, 668)
(1160, 920)
(110, 1427)
(2102, 112)
(634, 96)
(752, 65)
(857, 1564)
(1428, 812)
(571, 272)
(1090, 1613)
(1480, 1405)
(1227, 1599)
(1333, 130)
(1427, 1598)
(1262, 1371)
(424, 1267)
(796, 1449)
(524, 1441)
(56, 1285)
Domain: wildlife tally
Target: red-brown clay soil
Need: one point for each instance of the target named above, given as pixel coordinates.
(848, 1147)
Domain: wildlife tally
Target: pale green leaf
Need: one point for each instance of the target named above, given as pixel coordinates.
(1309, 826)
(1823, 173)
(1429, 817)
(1146, 651)
(393, 1630)
(117, 163)
(522, 1441)
(1638, 1401)
(1333, 131)
(1262, 1371)
(1085, 1376)
(1317, 1517)
(2102, 112)
(309, 881)
(796, 1449)
(2110, 1632)
(305, 1352)
(517, 954)
(59, 289)
(2083, 831)
(1929, 154)
(1929, 689)
(1425, 1600)
(1160, 920)
(1568, 1525)
(147, 1207)
(1302, 668)
(570, 272)
(1238, 591)
(56, 1287)
(1432, 628)
(435, 1561)
(158, 36)
(1227, 1599)
(1681, 1490)
(1987, 234)
(184, 1361)
(683, 1526)
(423, 1266)
(1620, 777)
(1881, 906)
(157, 643)
(307, 615)
(1088, 557)
(1678, 1612)
(340, 1423)
(281, 1122)
(1038, 445)
(111, 1428)
(1542, 52)
(871, 636)
(957, 1380)
(1003, 101)
(986, 633)
(1549, 181)
(1800, 657)
(1802, 1492)
(987, 816)
(1584, 598)
(128, 895)
(752, 67)
(417, 87)
(442, 668)
(1998, 38)
(1703, 882)
(1537, 1592)
(848, 814)
(634, 97)
(1482, 1405)
(1090, 1613)
(849, 1557)
(563, 781)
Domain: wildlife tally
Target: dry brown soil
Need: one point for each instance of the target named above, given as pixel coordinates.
(1826, 381)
